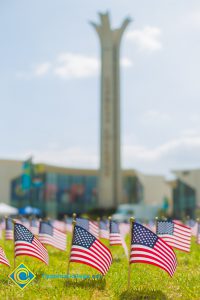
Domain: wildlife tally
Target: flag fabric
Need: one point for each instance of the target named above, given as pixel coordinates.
(90, 226)
(27, 244)
(174, 234)
(52, 236)
(103, 230)
(148, 248)
(87, 249)
(198, 234)
(124, 228)
(193, 225)
(3, 258)
(23, 221)
(8, 229)
(34, 226)
(114, 234)
(60, 225)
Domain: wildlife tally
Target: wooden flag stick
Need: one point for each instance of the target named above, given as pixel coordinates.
(156, 223)
(73, 225)
(129, 265)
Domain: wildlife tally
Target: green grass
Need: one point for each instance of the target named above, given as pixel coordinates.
(147, 282)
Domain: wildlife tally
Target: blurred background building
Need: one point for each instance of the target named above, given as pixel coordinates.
(59, 190)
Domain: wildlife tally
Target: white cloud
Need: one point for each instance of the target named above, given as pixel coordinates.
(147, 38)
(42, 69)
(70, 66)
(126, 62)
(176, 153)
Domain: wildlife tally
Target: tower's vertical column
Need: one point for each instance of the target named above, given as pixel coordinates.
(110, 178)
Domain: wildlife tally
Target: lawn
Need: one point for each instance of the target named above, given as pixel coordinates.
(147, 282)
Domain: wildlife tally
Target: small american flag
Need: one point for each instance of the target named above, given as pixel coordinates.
(124, 228)
(52, 236)
(193, 225)
(114, 234)
(34, 226)
(103, 230)
(90, 226)
(198, 234)
(148, 248)
(8, 229)
(3, 258)
(25, 222)
(60, 225)
(176, 235)
(87, 249)
(27, 244)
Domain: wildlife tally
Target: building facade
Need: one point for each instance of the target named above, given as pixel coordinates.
(58, 191)
(8, 170)
(184, 200)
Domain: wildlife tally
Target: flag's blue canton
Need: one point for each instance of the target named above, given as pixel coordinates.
(82, 237)
(46, 228)
(83, 223)
(9, 224)
(143, 236)
(21, 233)
(165, 227)
(114, 228)
(190, 223)
(103, 225)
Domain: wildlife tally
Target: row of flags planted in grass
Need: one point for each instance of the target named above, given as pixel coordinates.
(150, 243)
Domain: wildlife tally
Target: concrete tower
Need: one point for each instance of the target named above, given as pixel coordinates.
(110, 178)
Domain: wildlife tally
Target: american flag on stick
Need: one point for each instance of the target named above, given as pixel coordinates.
(25, 222)
(27, 244)
(87, 249)
(193, 225)
(103, 230)
(148, 248)
(3, 258)
(8, 229)
(60, 225)
(52, 236)
(176, 235)
(90, 226)
(114, 234)
(34, 226)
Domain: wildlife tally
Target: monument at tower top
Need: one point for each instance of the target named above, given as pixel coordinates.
(110, 177)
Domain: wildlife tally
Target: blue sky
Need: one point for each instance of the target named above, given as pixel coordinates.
(49, 79)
